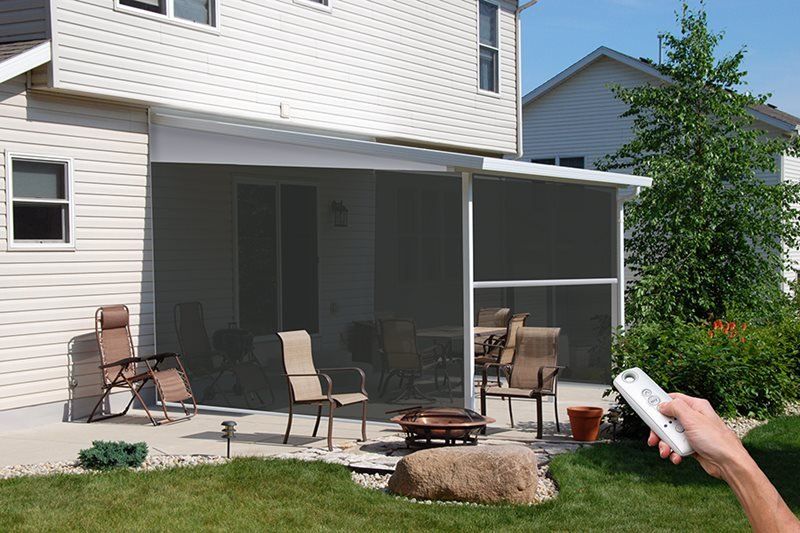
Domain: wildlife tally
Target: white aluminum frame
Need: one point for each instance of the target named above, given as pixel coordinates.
(69, 202)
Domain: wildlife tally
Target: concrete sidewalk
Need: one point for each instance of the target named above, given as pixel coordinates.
(260, 434)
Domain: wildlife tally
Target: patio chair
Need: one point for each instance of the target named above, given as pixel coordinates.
(500, 349)
(492, 317)
(305, 388)
(403, 358)
(533, 373)
(118, 365)
(201, 359)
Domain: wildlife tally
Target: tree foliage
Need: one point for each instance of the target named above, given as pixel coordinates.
(708, 237)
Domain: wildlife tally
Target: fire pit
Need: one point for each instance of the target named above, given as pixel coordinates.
(451, 425)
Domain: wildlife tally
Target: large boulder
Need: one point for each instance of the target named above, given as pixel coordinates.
(482, 474)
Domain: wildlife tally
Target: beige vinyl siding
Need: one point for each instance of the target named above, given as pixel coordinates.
(791, 173)
(48, 298)
(394, 70)
(195, 251)
(23, 20)
(581, 117)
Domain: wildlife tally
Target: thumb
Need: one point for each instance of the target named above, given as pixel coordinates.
(677, 408)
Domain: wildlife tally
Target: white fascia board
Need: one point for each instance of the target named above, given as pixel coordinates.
(25, 61)
(521, 169)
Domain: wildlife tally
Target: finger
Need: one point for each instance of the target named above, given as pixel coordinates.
(698, 404)
(675, 458)
(653, 439)
(679, 409)
(663, 450)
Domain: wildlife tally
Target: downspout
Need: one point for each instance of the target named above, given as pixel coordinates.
(520, 9)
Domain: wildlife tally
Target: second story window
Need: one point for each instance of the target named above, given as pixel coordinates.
(489, 46)
(196, 11)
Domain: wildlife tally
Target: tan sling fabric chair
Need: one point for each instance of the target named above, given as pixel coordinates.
(493, 317)
(501, 349)
(305, 387)
(118, 365)
(533, 373)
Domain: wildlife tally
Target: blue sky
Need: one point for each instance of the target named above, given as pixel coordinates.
(556, 33)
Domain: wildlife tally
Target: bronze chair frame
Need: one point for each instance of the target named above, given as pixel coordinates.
(329, 399)
(135, 382)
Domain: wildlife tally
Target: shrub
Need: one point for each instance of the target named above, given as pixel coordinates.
(105, 455)
(743, 370)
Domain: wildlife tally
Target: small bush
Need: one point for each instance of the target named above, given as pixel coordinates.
(742, 370)
(105, 455)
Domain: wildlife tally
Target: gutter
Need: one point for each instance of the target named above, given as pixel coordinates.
(518, 13)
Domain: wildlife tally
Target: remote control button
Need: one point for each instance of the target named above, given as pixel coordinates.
(654, 400)
(647, 393)
(679, 427)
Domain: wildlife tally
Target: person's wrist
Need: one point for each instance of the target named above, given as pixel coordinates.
(737, 464)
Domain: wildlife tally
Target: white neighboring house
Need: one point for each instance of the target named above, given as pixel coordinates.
(573, 119)
(289, 164)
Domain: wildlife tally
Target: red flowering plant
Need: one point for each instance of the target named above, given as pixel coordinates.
(730, 329)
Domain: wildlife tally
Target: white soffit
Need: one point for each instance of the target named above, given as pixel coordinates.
(188, 139)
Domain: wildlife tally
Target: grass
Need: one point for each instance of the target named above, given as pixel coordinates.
(622, 487)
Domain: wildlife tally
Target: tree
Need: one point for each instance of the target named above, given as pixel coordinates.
(709, 237)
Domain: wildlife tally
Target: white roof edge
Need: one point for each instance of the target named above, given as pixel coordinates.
(25, 61)
(511, 168)
(455, 161)
(604, 51)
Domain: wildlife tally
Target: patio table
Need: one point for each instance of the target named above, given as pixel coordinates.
(448, 334)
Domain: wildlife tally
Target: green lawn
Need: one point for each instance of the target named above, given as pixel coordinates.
(622, 487)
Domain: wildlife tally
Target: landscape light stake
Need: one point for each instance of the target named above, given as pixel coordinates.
(229, 432)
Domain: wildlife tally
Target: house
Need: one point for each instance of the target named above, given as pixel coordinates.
(228, 169)
(573, 119)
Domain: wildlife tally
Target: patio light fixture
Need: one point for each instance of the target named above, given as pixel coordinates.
(340, 214)
(228, 432)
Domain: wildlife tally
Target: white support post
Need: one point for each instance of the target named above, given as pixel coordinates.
(620, 286)
(469, 298)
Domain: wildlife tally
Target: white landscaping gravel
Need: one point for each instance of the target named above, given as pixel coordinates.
(153, 462)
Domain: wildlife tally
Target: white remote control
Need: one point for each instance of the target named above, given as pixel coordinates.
(644, 395)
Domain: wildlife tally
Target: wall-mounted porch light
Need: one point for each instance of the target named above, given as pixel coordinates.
(340, 214)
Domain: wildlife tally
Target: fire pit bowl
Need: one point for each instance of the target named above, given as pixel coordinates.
(448, 424)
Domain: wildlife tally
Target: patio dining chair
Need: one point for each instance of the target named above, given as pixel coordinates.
(500, 349)
(403, 358)
(493, 317)
(533, 373)
(120, 370)
(305, 387)
(201, 359)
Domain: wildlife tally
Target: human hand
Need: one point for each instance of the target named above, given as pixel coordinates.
(716, 447)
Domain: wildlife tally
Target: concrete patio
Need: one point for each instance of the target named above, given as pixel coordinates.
(261, 434)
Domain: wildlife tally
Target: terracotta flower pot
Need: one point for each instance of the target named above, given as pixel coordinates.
(585, 422)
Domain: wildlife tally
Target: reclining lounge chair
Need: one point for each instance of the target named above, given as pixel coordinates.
(118, 365)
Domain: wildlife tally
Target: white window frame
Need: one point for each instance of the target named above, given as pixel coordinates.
(497, 93)
(314, 4)
(170, 17)
(69, 201)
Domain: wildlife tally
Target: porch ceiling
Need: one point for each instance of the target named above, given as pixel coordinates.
(182, 138)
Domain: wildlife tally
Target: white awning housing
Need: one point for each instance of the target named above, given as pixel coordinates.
(179, 138)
